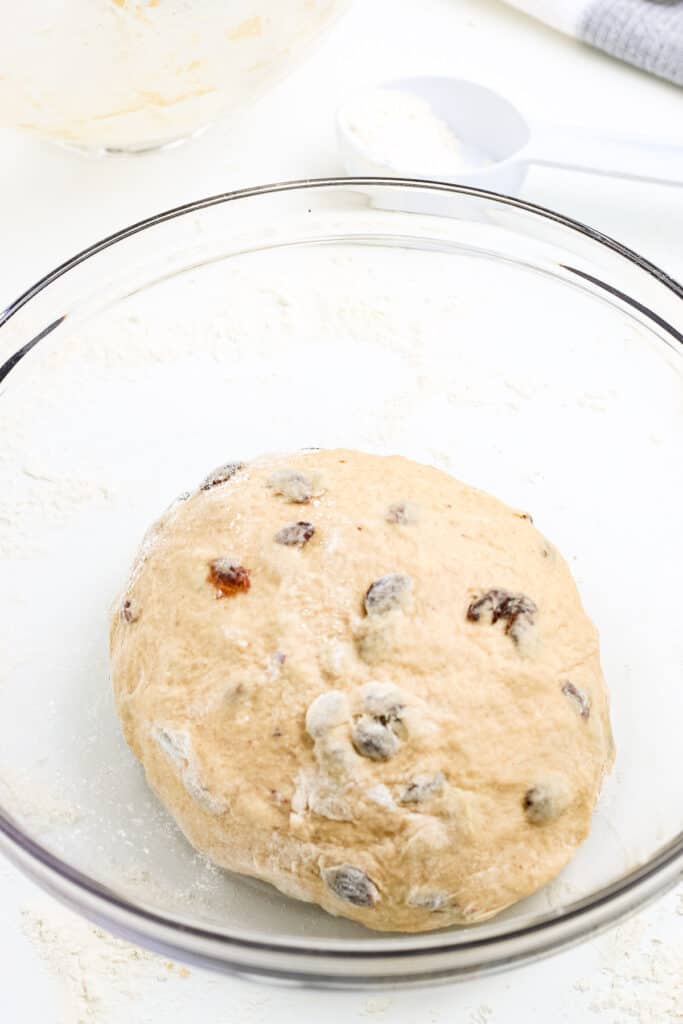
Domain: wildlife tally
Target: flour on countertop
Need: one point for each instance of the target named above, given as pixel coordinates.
(482, 1015)
(639, 976)
(376, 1007)
(95, 972)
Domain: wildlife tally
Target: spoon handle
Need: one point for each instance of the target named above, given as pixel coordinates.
(644, 159)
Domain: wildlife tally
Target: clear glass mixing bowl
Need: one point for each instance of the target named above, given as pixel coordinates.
(131, 75)
(520, 351)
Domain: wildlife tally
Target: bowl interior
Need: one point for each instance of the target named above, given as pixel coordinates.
(463, 342)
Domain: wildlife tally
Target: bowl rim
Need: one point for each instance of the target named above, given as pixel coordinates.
(62, 879)
(302, 184)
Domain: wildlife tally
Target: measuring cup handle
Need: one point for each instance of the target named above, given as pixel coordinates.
(644, 159)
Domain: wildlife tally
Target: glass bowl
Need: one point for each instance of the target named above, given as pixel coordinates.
(522, 352)
(131, 75)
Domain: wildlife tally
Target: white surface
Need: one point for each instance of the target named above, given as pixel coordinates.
(565, 15)
(54, 203)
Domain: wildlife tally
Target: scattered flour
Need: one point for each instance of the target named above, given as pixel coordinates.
(95, 972)
(377, 1006)
(482, 1015)
(639, 976)
(35, 804)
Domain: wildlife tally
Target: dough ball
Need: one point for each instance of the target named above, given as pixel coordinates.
(362, 681)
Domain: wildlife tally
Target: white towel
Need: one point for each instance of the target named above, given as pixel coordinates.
(647, 33)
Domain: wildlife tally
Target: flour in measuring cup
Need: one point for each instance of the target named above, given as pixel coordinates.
(403, 131)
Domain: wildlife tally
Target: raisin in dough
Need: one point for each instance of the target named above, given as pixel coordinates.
(366, 683)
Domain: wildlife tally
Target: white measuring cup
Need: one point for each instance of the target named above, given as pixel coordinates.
(488, 124)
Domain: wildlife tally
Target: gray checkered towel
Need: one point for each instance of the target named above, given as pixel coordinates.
(647, 33)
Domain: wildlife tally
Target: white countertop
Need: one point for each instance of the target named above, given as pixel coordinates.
(59, 970)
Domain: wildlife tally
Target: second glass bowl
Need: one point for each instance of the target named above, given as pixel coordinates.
(132, 75)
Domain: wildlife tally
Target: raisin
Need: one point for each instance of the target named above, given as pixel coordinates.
(374, 733)
(421, 788)
(516, 610)
(373, 738)
(294, 486)
(403, 513)
(295, 534)
(130, 610)
(228, 577)
(221, 475)
(383, 701)
(387, 592)
(351, 884)
(583, 701)
(544, 803)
